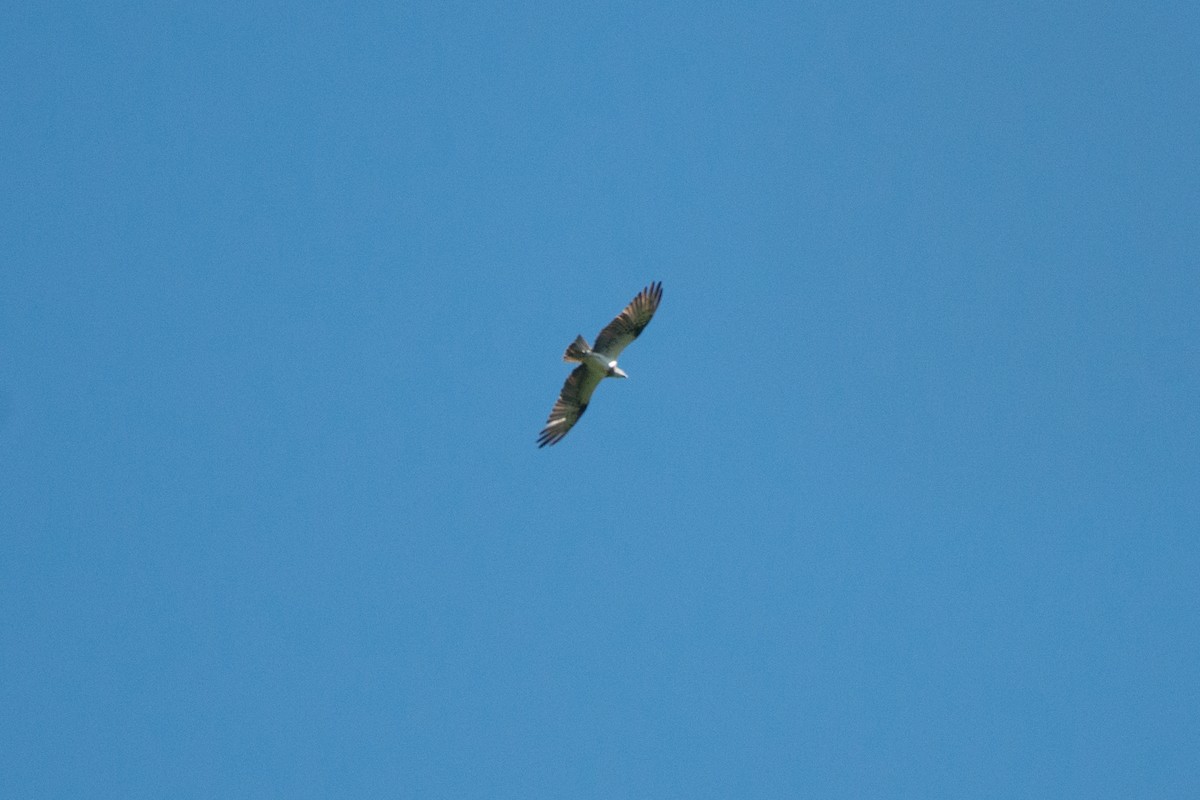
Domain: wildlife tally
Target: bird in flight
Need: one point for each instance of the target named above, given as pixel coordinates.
(597, 363)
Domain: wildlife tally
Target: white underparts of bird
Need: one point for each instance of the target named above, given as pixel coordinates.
(597, 362)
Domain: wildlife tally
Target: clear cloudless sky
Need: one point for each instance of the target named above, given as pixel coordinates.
(901, 499)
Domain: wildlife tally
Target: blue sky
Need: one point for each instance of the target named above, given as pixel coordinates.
(901, 498)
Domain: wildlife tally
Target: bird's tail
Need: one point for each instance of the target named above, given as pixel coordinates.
(577, 350)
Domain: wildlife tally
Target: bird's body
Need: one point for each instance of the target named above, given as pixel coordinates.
(598, 362)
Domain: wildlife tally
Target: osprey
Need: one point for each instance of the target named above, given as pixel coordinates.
(598, 362)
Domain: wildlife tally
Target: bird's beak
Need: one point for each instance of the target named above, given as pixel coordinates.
(619, 373)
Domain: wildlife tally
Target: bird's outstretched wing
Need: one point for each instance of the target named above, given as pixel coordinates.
(572, 402)
(629, 323)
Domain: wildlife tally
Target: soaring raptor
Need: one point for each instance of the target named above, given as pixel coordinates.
(598, 362)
